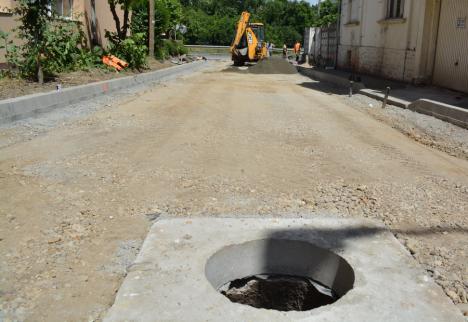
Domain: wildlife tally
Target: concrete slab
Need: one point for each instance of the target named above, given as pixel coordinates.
(167, 282)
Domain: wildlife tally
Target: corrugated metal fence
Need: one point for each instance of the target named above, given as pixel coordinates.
(321, 45)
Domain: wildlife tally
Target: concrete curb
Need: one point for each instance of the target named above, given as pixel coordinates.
(22, 107)
(445, 112)
(380, 96)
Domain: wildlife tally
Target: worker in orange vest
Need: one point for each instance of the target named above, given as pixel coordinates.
(297, 49)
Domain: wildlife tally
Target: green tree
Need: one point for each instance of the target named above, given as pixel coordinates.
(328, 13)
(284, 20)
(35, 17)
(121, 27)
(167, 14)
(50, 45)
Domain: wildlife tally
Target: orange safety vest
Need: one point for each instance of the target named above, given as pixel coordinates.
(297, 47)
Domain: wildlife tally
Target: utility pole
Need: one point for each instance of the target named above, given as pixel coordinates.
(151, 27)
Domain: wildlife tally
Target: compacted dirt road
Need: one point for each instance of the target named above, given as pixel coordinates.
(76, 200)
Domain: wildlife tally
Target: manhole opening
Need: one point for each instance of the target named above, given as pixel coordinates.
(279, 292)
(279, 274)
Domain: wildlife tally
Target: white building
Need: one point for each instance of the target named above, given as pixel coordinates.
(418, 41)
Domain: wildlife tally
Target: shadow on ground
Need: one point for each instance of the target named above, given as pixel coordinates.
(324, 87)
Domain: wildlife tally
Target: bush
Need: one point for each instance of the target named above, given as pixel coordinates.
(66, 50)
(7, 45)
(63, 49)
(169, 48)
(133, 49)
(50, 45)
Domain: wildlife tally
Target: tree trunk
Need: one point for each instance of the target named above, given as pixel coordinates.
(125, 23)
(116, 18)
(151, 28)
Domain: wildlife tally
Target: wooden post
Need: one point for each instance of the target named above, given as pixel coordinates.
(151, 28)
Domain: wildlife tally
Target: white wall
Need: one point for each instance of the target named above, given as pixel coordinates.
(385, 47)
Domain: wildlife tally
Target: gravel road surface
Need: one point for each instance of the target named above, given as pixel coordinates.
(78, 196)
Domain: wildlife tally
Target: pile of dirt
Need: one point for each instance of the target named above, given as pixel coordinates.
(273, 66)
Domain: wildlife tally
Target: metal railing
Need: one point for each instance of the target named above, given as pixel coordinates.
(276, 50)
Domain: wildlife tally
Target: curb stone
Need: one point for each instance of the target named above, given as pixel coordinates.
(18, 108)
(445, 112)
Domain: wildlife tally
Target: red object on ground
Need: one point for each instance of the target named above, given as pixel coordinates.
(115, 62)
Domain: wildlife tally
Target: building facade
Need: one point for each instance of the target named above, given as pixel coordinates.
(417, 41)
(94, 15)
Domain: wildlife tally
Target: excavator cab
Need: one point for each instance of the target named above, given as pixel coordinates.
(259, 31)
(249, 42)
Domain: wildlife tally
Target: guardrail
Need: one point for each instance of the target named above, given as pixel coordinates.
(207, 46)
(278, 50)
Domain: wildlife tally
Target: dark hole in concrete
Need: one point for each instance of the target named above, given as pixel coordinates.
(279, 292)
(280, 274)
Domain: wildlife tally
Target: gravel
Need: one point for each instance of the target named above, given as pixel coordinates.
(422, 128)
(76, 200)
(270, 66)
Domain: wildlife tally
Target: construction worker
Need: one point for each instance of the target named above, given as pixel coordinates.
(270, 49)
(297, 50)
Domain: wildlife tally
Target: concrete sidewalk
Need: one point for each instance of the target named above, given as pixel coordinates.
(443, 104)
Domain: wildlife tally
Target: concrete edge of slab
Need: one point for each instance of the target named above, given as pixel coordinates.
(23, 107)
(445, 112)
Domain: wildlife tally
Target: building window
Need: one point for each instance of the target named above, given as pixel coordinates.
(64, 8)
(353, 11)
(395, 9)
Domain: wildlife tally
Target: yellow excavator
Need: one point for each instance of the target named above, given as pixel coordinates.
(249, 43)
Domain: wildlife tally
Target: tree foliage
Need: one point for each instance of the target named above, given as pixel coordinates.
(328, 13)
(213, 21)
(49, 45)
(167, 15)
(131, 47)
(121, 25)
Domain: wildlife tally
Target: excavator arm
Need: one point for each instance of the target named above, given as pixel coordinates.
(241, 27)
